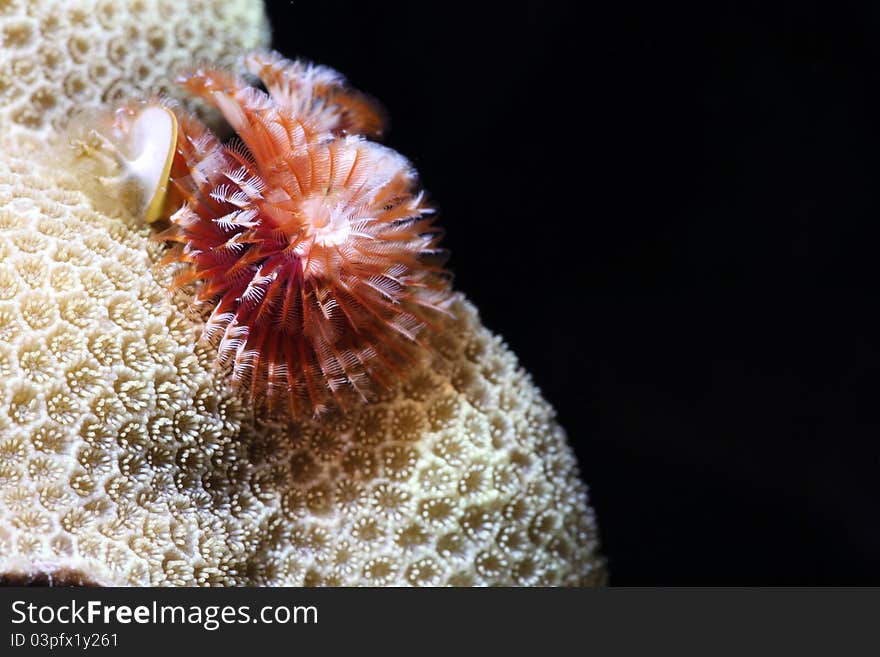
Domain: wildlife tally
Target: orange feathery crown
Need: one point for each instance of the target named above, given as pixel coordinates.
(312, 245)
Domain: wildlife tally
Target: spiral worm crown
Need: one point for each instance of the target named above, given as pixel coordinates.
(311, 244)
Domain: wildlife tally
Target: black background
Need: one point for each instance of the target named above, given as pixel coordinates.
(670, 214)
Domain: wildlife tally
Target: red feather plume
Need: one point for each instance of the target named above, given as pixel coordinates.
(312, 245)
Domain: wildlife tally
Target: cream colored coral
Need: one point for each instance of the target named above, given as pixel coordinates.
(125, 459)
(57, 56)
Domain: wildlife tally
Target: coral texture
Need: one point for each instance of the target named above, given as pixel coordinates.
(57, 56)
(313, 248)
(124, 459)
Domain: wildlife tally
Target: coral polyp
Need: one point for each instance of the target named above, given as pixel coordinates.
(312, 246)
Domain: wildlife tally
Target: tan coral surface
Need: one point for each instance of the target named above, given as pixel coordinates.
(124, 458)
(57, 56)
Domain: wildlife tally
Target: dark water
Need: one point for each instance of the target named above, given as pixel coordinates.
(670, 214)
